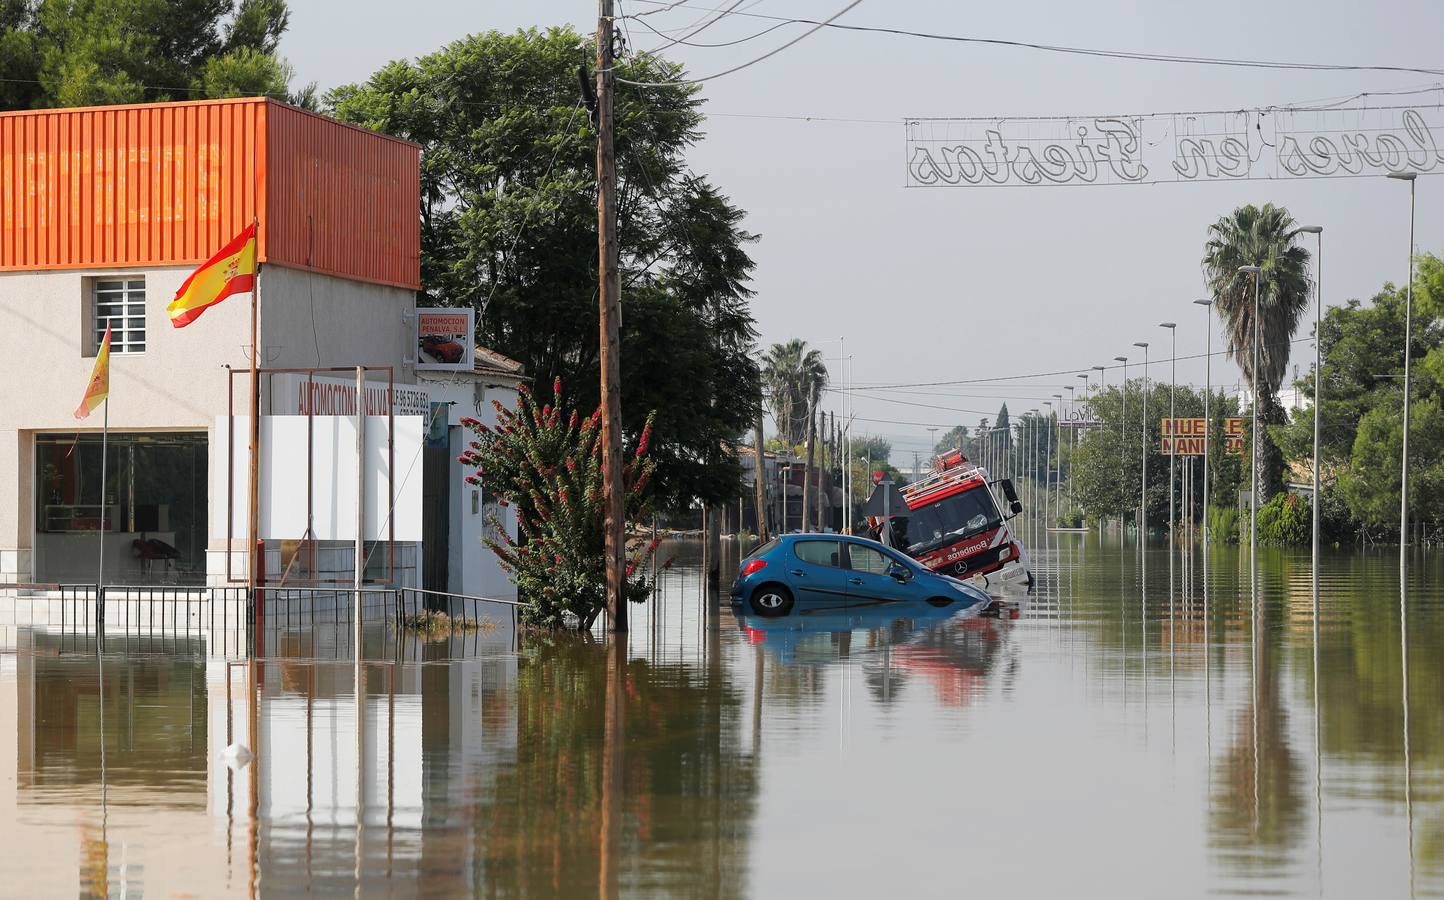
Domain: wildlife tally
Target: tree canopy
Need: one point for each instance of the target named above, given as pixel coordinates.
(793, 376)
(98, 52)
(509, 228)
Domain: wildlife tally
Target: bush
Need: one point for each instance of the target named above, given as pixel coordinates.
(1223, 524)
(1285, 521)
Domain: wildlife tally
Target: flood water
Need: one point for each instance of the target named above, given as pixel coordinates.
(1119, 732)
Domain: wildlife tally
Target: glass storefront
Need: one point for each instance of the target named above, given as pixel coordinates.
(155, 510)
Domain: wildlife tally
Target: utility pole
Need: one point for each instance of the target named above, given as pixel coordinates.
(759, 477)
(807, 469)
(609, 308)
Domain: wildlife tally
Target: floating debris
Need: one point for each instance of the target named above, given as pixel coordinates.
(434, 624)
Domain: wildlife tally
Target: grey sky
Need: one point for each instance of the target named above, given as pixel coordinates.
(954, 283)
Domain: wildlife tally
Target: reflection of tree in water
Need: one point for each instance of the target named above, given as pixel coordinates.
(955, 657)
(1260, 801)
(687, 789)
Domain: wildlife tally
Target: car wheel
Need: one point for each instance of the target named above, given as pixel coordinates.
(771, 600)
(940, 602)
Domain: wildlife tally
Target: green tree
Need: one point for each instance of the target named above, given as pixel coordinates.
(1361, 413)
(95, 52)
(955, 438)
(509, 228)
(1266, 237)
(792, 374)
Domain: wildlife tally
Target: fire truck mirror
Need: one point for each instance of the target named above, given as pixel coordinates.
(1016, 507)
(1010, 492)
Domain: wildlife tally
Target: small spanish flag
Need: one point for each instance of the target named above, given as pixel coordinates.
(231, 271)
(99, 387)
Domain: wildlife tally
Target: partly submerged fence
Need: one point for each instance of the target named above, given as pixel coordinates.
(238, 615)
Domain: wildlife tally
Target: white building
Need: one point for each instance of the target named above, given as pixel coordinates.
(104, 213)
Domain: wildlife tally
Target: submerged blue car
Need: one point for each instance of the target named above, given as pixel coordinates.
(832, 569)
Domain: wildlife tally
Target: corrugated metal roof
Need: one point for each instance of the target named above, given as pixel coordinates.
(170, 183)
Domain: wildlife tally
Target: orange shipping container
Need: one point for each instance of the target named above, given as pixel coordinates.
(170, 183)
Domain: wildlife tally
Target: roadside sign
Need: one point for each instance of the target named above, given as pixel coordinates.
(1186, 436)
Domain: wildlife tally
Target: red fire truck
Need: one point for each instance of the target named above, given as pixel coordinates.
(955, 525)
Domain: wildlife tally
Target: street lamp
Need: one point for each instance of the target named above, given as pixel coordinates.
(1143, 491)
(1058, 488)
(1172, 423)
(1318, 383)
(1122, 453)
(1072, 440)
(1207, 413)
(1408, 341)
(1255, 271)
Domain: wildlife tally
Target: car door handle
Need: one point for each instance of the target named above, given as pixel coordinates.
(854, 581)
(797, 573)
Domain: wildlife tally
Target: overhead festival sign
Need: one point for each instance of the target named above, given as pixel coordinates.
(1272, 143)
(1186, 437)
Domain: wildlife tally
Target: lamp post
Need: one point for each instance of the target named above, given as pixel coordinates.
(1047, 455)
(1172, 423)
(1255, 271)
(1122, 454)
(1408, 340)
(1207, 415)
(1058, 485)
(1318, 384)
(1072, 439)
(1143, 492)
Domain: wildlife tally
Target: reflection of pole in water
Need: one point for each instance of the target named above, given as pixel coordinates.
(104, 806)
(1404, 676)
(360, 694)
(613, 739)
(1318, 752)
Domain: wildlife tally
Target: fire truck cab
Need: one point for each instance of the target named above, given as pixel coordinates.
(956, 526)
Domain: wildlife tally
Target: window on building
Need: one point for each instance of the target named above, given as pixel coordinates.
(119, 303)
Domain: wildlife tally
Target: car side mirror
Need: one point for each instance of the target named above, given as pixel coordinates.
(1016, 507)
(900, 574)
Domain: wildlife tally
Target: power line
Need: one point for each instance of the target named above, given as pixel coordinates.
(1077, 370)
(1141, 56)
(751, 62)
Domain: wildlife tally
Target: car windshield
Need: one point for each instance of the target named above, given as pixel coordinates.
(951, 518)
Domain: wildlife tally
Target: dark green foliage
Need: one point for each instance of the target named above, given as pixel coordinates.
(1107, 468)
(97, 52)
(794, 376)
(1223, 524)
(1285, 521)
(509, 227)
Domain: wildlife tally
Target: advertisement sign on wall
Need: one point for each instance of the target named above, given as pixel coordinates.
(445, 339)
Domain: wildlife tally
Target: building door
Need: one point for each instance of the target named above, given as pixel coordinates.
(436, 503)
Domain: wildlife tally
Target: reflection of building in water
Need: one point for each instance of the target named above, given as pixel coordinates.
(176, 818)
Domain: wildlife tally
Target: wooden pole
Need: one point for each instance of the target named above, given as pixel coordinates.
(609, 314)
(807, 469)
(759, 480)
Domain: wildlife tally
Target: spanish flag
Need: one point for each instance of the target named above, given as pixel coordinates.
(99, 387)
(231, 271)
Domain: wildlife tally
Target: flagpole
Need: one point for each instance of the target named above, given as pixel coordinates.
(100, 567)
(254, 481)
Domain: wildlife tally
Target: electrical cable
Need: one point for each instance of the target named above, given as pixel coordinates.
(1140, 56)
(751, 62)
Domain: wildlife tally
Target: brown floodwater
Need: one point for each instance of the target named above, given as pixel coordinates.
(1137, 734)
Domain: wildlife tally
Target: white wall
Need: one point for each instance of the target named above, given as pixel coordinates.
(180, 382)
(473, 568)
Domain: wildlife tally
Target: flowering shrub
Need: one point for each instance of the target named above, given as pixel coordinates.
(550, 468)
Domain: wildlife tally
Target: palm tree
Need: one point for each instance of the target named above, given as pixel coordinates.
(791, 373)
(1266, 237)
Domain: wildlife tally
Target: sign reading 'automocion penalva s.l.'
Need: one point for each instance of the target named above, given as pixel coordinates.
(1205, 146)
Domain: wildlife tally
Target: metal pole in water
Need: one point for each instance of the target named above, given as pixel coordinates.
(360, 547)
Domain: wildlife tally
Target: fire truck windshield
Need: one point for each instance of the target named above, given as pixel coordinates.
(951, 518)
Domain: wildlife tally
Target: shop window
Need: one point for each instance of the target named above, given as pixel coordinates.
(153, 516)
(120, 304)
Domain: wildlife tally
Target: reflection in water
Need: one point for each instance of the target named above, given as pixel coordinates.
(716, 754)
